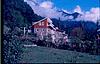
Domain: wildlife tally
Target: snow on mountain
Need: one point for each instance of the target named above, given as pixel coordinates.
(46, 8)
(78, 9)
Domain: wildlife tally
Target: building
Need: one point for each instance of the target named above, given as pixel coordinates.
(45, 29)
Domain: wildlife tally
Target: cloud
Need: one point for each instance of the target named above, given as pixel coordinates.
(46, 12)
(78, 9)
(47, 5)
(46, 8)
(92, 15)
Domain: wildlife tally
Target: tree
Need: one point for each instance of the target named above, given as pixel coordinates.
(16, 14)
(78, 32)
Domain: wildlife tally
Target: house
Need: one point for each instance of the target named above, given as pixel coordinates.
(45, 28)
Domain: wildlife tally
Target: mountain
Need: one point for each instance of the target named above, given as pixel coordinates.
(16, 14)
(64, 13)
(88, 27)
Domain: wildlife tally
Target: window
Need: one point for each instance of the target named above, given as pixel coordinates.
(42, 23)
(43, 29)
(37, 30)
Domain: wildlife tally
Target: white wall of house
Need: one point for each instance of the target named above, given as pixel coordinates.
(41, 32)
(52, 32)
(55, 35)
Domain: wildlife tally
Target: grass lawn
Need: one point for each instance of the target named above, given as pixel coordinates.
(51, 55)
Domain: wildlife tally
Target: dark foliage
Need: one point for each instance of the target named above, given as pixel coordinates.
(16, 13)
(88, 27)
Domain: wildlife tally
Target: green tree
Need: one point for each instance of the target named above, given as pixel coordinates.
(78, 32)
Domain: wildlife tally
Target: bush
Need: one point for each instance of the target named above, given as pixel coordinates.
(12, 50)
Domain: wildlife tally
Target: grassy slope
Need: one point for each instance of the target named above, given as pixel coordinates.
(46, 55)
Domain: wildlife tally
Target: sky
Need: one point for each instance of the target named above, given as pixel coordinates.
(71, 4)
(89, 9)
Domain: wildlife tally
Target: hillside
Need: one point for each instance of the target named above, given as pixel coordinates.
(50, 55)
(16, 15)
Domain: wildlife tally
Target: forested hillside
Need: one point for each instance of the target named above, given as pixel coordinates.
(16, 14)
